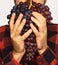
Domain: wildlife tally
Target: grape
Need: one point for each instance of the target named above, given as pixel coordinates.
(18, 6)
(30, 42)
(47, 13)
(21, 3)
(46, 8)
(14, 7)
(13, 10)
(17, 11)
(8, 17)
(38, 5)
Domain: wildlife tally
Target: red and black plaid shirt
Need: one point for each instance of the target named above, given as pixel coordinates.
(49, 57)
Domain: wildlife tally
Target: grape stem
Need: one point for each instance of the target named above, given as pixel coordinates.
(30, 4)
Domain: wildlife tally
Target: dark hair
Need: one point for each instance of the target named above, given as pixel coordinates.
(45, 1)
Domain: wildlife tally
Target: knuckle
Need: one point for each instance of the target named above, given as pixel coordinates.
(18, 20)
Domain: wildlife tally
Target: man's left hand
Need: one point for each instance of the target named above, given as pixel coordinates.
(41, 35)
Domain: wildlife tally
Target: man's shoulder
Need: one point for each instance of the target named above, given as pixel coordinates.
(52, 27)
(52, 35)
(3, 28)
(5, 40)
(4, 32)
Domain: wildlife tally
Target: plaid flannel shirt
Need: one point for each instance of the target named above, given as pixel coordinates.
(49, 57)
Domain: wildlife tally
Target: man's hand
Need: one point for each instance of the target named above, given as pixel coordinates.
(17, 39)
(41, 35)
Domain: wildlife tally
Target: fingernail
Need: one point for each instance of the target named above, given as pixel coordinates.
(33, 12)
(21, 14)
(13, 14)
(30, 24)
(31, 17)
(24, 19)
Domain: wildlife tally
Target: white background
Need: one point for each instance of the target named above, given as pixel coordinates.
(6, 6)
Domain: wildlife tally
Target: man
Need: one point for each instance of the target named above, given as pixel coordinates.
(12, 43)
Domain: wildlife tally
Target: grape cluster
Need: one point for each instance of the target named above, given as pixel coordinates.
(30, 42)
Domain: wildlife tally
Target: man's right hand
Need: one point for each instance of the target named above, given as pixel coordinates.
(15, 30)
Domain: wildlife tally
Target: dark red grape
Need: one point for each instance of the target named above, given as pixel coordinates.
(38, 5)
(8, 16)
(46, 8)
(13, 10)
(47, 13)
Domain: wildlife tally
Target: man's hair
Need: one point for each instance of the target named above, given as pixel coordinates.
(45, 1)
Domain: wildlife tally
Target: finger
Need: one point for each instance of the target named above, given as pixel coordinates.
(36, 22)
(12, 21)
(34, 29)
(38, 16)
(21, 26)
(26, 34)
(18, 21)
(41, 26)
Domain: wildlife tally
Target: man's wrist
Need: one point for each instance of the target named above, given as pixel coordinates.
(19, 51)
(43, 50)
(18, 55)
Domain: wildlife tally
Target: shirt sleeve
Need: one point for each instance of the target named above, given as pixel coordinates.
(9, 60)
(47, 58)
(50, 56)
(5, 59)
